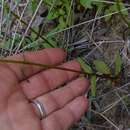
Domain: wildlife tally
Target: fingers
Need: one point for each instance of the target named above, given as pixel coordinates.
(19, 113)
(48, 80)
(46, 56)
(59, 98)
(65, 117)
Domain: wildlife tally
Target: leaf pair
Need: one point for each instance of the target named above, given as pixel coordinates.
(102, 68)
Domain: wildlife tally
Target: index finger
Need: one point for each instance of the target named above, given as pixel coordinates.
(52, 56)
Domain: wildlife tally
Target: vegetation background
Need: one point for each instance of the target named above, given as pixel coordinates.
(96, 32)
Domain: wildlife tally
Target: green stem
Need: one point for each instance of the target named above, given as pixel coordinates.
(45, 66)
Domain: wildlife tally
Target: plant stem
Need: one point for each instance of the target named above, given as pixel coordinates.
(45, 66)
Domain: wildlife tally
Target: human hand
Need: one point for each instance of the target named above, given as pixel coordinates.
(19, 84)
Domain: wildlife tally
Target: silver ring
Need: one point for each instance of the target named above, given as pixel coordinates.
(39, 106)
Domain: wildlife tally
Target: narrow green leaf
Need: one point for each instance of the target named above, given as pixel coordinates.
(46, 45)
(93, 86)
(52, 41)
(102, 67)
(53, 14)
(118, 64)
(34, 5)
(84, 66)
(62, 22)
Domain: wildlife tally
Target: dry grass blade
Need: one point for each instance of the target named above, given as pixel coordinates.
(89, 21)
(109, 121)
(22, 21)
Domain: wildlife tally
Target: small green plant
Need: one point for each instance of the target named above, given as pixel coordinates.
(60, 10)
(87, 70)
(102, 71)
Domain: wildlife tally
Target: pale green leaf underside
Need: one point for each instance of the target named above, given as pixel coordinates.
(102, 67)
(84, 66)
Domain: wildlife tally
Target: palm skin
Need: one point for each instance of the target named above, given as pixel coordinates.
(19, 84)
